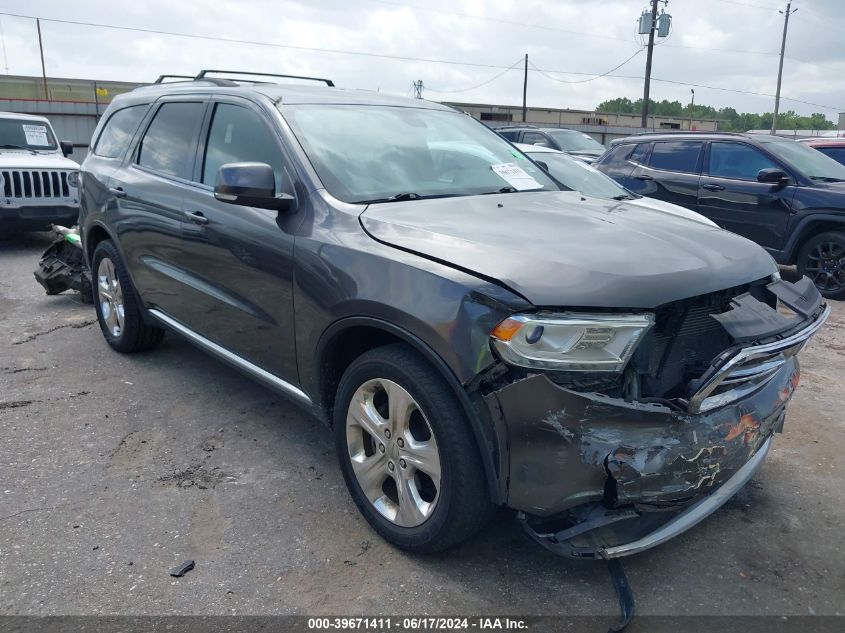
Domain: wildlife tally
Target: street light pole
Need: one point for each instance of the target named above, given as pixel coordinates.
(525, 92)
(691, 108)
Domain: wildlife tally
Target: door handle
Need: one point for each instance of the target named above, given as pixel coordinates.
(713, 187)
(643, 177)
(117, 192)
(197, 217)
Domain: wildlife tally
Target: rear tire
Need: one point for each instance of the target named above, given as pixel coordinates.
(407, 452)
(117, 304)
(822, 259)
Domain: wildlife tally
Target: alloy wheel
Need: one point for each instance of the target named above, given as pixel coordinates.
(826, 266)
(393, 452)
(110, 297)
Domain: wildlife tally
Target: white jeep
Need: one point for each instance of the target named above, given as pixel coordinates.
(38, 183)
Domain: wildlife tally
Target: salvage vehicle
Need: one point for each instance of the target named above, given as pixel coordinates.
(473, 333)
(586, 180)
(577, 144)
(38, 182)
(780, 193)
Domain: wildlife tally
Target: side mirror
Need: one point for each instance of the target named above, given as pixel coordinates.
(544, 166)
(67, 148)
(772, 175)
(250, 185)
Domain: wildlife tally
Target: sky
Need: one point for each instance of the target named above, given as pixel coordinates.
(720, 45)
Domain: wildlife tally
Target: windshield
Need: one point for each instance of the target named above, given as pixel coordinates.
(810, 162)
(572, 141)
(26, 134)
(580, 177)
(383, 153)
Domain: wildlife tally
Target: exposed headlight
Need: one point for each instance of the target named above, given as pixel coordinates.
(73, 179)
(570, 341)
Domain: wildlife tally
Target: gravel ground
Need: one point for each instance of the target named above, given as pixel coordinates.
(114, 469)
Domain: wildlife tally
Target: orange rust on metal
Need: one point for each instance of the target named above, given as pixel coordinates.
(746, 427)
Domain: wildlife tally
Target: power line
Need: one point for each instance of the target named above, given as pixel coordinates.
(384, 55)
(484, 83)
(251, 42)
(582, 81)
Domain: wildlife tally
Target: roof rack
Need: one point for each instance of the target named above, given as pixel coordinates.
(161, 78)
(505, 127)
(203, 75)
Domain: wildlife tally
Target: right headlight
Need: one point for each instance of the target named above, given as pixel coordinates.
(570, 341)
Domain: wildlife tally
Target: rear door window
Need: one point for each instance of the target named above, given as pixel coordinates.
(118, 132)
(168, 145)
(679, 156)
(509, 134)
(737, 161)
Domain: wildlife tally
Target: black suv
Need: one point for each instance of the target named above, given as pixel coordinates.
(573, 142)
(780, 193)
(474, 335)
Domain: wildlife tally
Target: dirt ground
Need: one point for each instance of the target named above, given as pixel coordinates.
(114, 469)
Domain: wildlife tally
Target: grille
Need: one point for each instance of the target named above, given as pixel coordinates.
(35, 183)
(686, 340)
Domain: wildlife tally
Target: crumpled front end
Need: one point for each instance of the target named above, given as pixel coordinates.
(597, 475)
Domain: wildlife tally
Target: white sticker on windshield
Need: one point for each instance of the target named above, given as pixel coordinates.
(516, 176)
(36, 135)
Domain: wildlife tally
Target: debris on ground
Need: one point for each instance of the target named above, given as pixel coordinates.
(182, 569)
(62, 266)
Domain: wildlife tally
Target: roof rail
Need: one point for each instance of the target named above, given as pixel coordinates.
(161, 78)
(203, 75)
(505, 127)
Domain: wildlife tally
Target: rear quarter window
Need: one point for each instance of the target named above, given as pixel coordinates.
(118, 131)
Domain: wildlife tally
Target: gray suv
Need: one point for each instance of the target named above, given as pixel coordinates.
(473, 333)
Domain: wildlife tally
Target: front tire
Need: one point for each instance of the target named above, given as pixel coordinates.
(117, 304)
(407, 453)
(822, 259)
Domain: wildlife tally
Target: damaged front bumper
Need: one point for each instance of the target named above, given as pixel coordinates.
(601, 477)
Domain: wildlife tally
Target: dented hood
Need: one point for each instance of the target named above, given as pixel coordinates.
(562, 249)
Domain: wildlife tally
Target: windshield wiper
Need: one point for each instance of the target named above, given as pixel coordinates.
(827, 178)
(624, 196)
(12, 146)
(401, 197)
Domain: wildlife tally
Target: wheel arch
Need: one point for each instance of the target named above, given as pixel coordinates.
(350, 337)
(810, 227)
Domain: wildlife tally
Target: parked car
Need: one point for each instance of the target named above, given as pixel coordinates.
(833, 147)
(38, 183)
(575, 143)
(473, 335)
(576, 175)
(785, 196)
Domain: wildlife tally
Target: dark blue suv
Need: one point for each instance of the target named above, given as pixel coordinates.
(787, 197)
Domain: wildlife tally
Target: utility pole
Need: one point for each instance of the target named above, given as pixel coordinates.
(649, 55)
(786, 15)
(525, 92)
(43, 68)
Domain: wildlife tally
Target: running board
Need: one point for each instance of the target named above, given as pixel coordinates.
(261, 375)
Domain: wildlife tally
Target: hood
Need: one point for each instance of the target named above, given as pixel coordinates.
(25, 159)
(673, 209)
(559, 249)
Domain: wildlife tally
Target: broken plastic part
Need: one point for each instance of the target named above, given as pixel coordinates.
(182, 569)
(623, 592)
